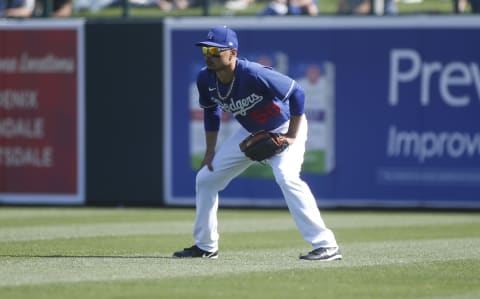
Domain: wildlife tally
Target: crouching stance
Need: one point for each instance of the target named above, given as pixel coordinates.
(276, 105)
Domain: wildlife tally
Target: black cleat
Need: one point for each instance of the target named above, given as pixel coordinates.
(323, 254)
(194, 251)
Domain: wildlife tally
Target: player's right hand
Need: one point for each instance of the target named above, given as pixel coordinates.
(207, 160)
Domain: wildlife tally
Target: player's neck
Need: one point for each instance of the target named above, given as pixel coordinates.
(226, 75)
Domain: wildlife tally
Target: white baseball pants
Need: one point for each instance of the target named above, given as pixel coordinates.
(229, 162)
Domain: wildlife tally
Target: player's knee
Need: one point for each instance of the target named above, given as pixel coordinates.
(206, 179)
(203, 177)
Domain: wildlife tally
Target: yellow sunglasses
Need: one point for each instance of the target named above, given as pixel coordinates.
(213, 51)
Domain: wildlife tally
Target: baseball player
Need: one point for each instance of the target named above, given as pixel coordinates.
(260, 99)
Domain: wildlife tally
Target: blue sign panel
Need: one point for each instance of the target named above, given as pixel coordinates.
(393, 109)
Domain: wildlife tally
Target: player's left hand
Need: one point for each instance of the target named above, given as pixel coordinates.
(263, 145)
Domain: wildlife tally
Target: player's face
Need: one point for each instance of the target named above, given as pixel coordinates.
(217, 58)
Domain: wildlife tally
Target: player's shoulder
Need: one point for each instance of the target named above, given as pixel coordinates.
(251, 68)
(204, 75)
(203, 72)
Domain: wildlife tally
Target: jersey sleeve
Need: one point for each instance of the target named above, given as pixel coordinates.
(297, 100)
(280, 85)
(211, 110)
(211, 118)
(202, 86)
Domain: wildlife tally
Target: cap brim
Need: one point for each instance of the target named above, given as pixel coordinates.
(211, 44)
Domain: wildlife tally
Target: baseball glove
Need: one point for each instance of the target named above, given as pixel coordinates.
(262, 145)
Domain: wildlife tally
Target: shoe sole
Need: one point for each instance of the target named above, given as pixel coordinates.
(333, 258)
(213, 257)
(330, 258)
(196, 257)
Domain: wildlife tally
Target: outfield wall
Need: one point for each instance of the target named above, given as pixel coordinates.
(394, 116)
(124, 99)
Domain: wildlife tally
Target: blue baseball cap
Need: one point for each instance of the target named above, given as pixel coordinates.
(221, 37)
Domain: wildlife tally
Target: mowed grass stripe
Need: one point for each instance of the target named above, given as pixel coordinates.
(67, 231)
(18, 271)
(430, 280)
(12, 217)
(42, 212)
(133, 228)
(67, 212)
(396, 219)
(275, 222)
(135, 244)
(32, 214)
(15, 218)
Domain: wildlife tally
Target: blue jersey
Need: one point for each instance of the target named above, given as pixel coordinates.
(258, 97)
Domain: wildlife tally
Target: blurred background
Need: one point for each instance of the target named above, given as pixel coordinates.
(159, 8)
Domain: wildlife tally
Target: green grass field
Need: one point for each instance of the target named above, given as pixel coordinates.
(125, 253)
